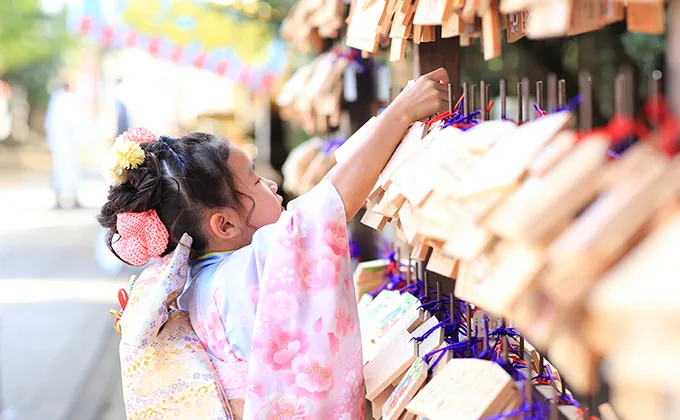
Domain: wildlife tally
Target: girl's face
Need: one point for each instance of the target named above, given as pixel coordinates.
(267, 203)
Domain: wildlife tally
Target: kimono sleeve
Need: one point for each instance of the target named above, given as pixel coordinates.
(306, 359)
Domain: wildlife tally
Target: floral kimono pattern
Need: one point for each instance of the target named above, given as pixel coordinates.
(280, 317)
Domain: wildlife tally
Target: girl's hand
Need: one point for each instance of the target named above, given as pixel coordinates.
(427, 96)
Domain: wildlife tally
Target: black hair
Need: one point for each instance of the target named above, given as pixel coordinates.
(180, 179)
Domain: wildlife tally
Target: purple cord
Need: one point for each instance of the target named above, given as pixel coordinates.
(332, 144)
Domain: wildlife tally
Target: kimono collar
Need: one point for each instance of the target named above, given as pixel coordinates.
(153, 294)
(207, 260)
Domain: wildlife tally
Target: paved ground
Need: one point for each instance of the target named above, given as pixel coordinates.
(58, 350)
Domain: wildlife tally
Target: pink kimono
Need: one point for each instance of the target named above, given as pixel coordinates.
(279, 317)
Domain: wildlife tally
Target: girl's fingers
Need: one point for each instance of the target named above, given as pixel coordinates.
(442, 87)
(439, 75)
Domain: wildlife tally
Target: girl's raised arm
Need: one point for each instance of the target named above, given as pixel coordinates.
(355, 177)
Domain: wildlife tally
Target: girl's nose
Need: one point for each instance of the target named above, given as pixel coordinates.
(273, 186)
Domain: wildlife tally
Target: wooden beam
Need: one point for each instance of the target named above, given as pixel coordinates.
(443, 52)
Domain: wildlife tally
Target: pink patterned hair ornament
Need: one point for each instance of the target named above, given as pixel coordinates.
(142, 237)
(138, 135)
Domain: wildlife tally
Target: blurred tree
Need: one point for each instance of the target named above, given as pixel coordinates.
(31, 44)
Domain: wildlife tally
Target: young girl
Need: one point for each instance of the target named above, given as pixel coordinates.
(270, 292)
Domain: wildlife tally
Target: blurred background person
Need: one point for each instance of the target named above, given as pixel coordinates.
(123, 118)
(62, 132)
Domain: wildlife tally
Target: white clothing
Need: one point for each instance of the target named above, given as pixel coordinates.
(62, 129)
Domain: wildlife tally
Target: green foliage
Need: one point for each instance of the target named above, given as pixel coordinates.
(31, 45)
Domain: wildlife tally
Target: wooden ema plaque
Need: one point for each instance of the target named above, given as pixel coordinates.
(371, 218)
(406, 148)
(407, 317)
(448, 355)
(379, 401)
(466, 389)
(586, 16)
(607, 412)
(491, 39)
(512, 273)
(443, 264)
(516, 25)
(636, 401)
(508, 160)
(417, 177)
(431, 12)
(604, 231)
(385, 24)
(632, 364)
(452, 26)
(563, 143)
(574, 359)
(549, 19)
(385, 302)
(362, 30)
(629, 293)
(410, 222)
(537, 316)
(368, 276)
(390, 204)
(542, 206)
(390, 362)
(420, 250)
(407, 388)
(471, 284)
(433, 340)
(646, 17)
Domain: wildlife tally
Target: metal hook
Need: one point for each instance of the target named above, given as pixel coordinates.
(483, 99)
(439, 297)
(410, 271)
(585, 113)
(562, 93)
(504, 341)
(473, 97)
(552, 92)
(426, 282)
(654, 92)
(450, 93)
(526, 102)
(503, 97)
(466, 98)
(619, 93)
(520, 105)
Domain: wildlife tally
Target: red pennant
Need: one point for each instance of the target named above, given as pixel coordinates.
(268, 81)
(154, 46)
(107, 35)
(199, 61)
(222, 67)
(177, 54)
(244, 76)
(85, 25)
(131, 39)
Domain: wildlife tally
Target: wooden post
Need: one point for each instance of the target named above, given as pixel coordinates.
(672, 57)
(443, 52)
(427, 57)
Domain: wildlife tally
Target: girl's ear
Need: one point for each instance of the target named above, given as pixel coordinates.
(225, 224)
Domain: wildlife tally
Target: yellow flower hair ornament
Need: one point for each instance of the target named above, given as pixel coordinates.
(128, 154)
